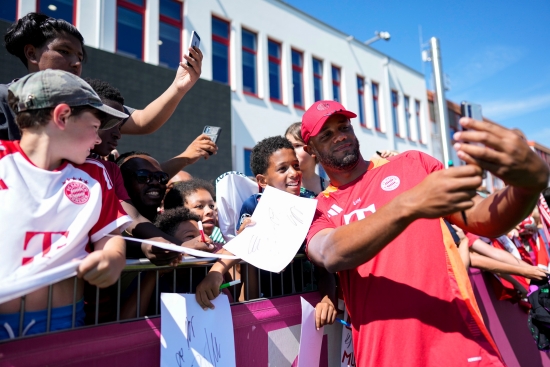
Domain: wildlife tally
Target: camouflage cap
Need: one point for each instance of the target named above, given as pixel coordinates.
(49, 88)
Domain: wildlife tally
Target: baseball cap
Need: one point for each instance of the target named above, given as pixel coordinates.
(49, 88)
(316, 116)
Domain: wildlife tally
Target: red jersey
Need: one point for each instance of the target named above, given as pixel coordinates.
(412, 304)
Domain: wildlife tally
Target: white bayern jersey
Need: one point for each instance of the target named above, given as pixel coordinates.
(48, 218)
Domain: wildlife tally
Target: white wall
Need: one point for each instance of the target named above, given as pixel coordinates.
(257, 118)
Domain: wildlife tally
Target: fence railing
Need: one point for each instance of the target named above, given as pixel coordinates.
(136, 294)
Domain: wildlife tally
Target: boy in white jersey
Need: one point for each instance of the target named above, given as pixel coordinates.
(56, 205)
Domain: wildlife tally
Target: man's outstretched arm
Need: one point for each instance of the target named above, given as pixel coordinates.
(351, 245)
(506, 155)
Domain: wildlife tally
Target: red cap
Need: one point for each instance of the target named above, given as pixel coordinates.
(316, 116)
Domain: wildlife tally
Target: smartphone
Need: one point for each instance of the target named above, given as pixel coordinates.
(195, 41)
(472, 110)
(213, 132)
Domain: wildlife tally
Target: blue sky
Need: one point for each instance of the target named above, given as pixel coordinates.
(496, 53)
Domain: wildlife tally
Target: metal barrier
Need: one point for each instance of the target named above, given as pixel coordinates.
(135, 284)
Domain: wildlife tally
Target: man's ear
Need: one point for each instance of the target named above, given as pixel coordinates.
(31, 53)
(309, 150)
(261, 181)
(60, 115)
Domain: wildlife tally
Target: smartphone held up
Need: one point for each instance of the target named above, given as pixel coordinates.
(194, 42)
(213, 133)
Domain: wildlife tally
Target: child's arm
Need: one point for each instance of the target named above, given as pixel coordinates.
(102, 267)
(485, 249)
(209, 287)
(463, 246)
(495, 266)
(325, 311)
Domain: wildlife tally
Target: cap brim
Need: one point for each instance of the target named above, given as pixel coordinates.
(324, 119)
(117, 116)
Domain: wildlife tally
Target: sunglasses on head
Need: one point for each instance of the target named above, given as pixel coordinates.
(144, 176)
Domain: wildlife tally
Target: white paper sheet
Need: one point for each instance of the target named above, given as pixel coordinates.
(176, 248)
(282, 222)
(191, 336)
(26, 285)
(311, 339)
(347, 359)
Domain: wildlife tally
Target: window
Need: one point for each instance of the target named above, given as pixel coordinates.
(60, 9)
(317, 79)
(8, 11)
(336, 84)
(417, 120)
(274, 57)
(297, 78)
(361, 98)
(249, 62)
(247, 169)
(130, 25)
(220, 50)
(376, 107)
(408, 117)
(170, 30)
(395, 112)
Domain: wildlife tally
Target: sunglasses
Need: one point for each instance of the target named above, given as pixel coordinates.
(144, 176)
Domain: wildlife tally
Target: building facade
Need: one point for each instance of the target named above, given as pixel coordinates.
(276, 60)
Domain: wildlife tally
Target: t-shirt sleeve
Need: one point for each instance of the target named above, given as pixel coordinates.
(247, 209)
(471, 238)
(118, 182)
(111, 216)
(320, 222)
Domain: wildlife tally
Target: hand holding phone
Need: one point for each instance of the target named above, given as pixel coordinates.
(194, 42)
(213, 132)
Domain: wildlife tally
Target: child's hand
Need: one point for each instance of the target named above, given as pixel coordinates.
(101, 268)
(209, 289)
(198, 244)
(325, 313)
(248, 222)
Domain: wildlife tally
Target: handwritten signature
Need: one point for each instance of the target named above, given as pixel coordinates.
(214, 349)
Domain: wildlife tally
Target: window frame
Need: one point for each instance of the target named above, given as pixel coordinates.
(279, 63)
(138, 9)
(361, 99)
(377, 123)
(226, 42)
(249, 150)
(175, 23)
(299, 69)
(317, 77)
(408, 116)
(255, 53)
(417, 107)
(395, 112)
(336, 83)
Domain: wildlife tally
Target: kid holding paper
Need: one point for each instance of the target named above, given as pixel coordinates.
(56, 204)
(274, 163)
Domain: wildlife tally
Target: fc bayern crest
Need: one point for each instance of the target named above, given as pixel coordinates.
(77, 192)
(323, 106)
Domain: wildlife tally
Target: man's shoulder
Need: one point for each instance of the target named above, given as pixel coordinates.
(419, 157)
(97, 170)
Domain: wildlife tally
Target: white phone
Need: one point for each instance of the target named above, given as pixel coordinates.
(195, 41)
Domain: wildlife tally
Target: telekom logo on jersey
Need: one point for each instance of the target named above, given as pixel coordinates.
(41, 243)
(360, 213)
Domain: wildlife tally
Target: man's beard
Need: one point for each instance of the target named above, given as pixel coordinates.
(349, 160)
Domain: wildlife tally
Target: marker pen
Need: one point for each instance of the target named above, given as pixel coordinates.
(343, 322)
(226, 285)
(201, 230)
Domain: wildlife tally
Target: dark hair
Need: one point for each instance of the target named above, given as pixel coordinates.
(120, 161)
(259, 159)
(546, 194)
(295, 130)
(37, 29)
(34, 118)
(177, 196)
(105, 90)
(169, 220)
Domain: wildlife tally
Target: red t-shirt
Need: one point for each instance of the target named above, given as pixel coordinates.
(412, 304)
(116, 178)
(471, 238)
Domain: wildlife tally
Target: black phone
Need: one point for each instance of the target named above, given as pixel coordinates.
(213, 133)
(195, 41)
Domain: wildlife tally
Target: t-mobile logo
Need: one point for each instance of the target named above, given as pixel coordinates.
(360, 213)
(334, 210)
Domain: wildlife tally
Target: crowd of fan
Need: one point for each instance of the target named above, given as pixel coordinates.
(164, 203)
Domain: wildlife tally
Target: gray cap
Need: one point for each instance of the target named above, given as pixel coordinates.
(49, 88)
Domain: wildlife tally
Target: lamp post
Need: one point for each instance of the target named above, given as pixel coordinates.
(378, 36)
